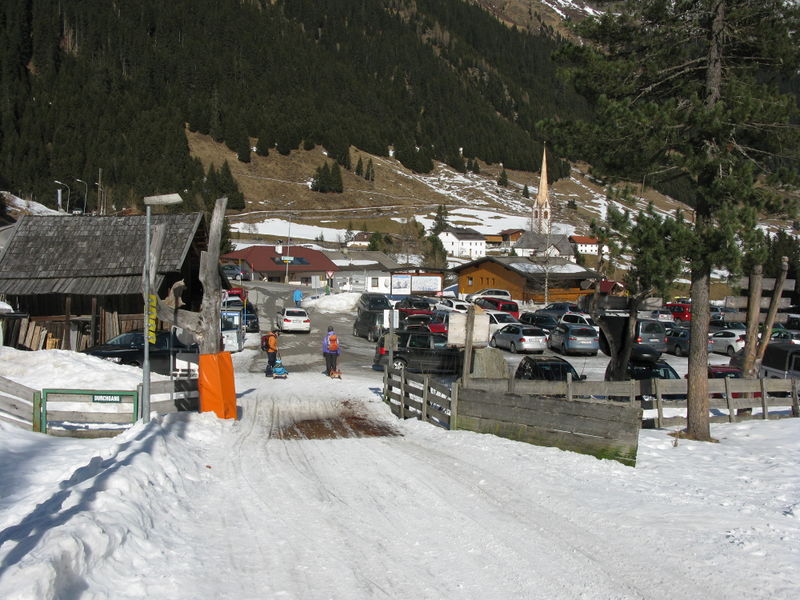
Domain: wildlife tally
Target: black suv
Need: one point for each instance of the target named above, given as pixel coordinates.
(546, 368)
(369, 324)
(546, 322)
(419, 351)
(373, 301)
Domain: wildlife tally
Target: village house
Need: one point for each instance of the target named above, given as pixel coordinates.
(289, 264)
(544, 244)
(360, 240)
(585, 244)
(361, 270)
(463, 242)
(528, 279)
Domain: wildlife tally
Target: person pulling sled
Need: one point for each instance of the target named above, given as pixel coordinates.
(269, 344)
(331, 351)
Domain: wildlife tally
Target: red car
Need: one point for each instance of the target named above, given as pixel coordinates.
(500, 304)
(681, 312)
(439, 321)
(414, 306)
(723, 371)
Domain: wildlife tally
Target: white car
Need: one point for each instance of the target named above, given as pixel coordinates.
(726, 341)
(293, 319)
(452, 304)
(576, 318)
(499, 319)
(488, 292)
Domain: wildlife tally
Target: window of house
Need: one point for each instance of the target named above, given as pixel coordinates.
(469, 281)
(305, 280)
(374, 282)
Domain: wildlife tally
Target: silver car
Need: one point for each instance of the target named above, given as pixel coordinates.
(520, 338)
(574, 339)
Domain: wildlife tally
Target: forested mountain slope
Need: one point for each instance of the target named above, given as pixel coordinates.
(92, 85)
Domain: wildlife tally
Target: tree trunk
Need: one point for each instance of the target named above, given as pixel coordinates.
(777, 293)
(753, 303)
(205, 325)
(697, 421)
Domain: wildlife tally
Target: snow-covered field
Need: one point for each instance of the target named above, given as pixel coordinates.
(189, 506)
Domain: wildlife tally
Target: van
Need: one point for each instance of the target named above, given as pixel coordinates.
(681, 311)
(652, 333)
(373, 301)
(369, 324)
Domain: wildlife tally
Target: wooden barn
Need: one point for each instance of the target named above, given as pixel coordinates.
(78, 279)
(526, 278)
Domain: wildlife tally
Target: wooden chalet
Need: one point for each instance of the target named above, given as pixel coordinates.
(78, 279)
(527, 277)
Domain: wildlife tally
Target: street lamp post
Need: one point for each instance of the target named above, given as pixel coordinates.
(68, 191)
(150, 303)
(85, 193)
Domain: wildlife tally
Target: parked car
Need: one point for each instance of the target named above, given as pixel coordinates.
(721, 311)
(373, 301)
(235, 273)
(681, 311)
(498, 320)
(546, 368)
(651, 333)
(781, 361)
(414, 305)
(293, 319)
(452, 304)
(128, 349)
(556, 309)
(726, 341)
(727, 371)
(439, 321)
(678, 341)
(419, 321)
(649, 369)
(249, 315)
(574, 339)
(490, 292)
(660, 314)
(578, 318)
(369, 324)
(500, 304)
(545, 322)
(719, 323)
(785, 335)
(520, 338)
(419, 351)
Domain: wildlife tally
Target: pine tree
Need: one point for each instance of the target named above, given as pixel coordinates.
(525, 192)
(369, 174)
(707, 111)
(502, 180)
(359, 167)
(336, 184)
(440, 220)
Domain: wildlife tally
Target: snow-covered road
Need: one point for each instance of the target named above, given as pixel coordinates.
(319, 492)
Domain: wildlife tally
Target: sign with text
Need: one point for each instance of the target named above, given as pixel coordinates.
(152, 304)
(391, 318)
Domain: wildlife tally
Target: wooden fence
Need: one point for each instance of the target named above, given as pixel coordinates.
(90, 413)
(592, 417)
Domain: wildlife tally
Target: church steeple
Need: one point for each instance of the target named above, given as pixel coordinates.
(541, 207)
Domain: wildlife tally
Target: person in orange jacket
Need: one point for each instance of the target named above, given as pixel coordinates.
(269, 343)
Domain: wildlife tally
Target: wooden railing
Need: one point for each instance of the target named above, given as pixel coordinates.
(16, 403)
(412, 396)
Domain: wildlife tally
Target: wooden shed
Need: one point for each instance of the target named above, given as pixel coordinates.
(79, 278)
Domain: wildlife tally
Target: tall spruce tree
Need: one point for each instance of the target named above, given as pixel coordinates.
(690, 90)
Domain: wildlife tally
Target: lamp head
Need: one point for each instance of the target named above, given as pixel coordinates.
(163, 200)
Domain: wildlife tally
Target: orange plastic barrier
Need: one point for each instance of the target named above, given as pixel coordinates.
(216, 385)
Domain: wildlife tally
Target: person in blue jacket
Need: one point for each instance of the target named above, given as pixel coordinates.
(297, 297)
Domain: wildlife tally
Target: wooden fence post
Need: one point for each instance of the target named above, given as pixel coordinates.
(764, 398)
(569, 386)
(659, 407)
(454, 406)
(426, 380)
(795, 403)
(402, 411)
(37, 412)
(729, 401)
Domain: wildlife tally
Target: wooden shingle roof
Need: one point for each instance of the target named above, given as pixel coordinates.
(89, 255)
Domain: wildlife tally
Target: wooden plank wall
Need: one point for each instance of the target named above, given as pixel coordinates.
(16, 403)
(601, 428)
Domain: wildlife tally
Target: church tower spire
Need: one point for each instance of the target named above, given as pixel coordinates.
(541, 207)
